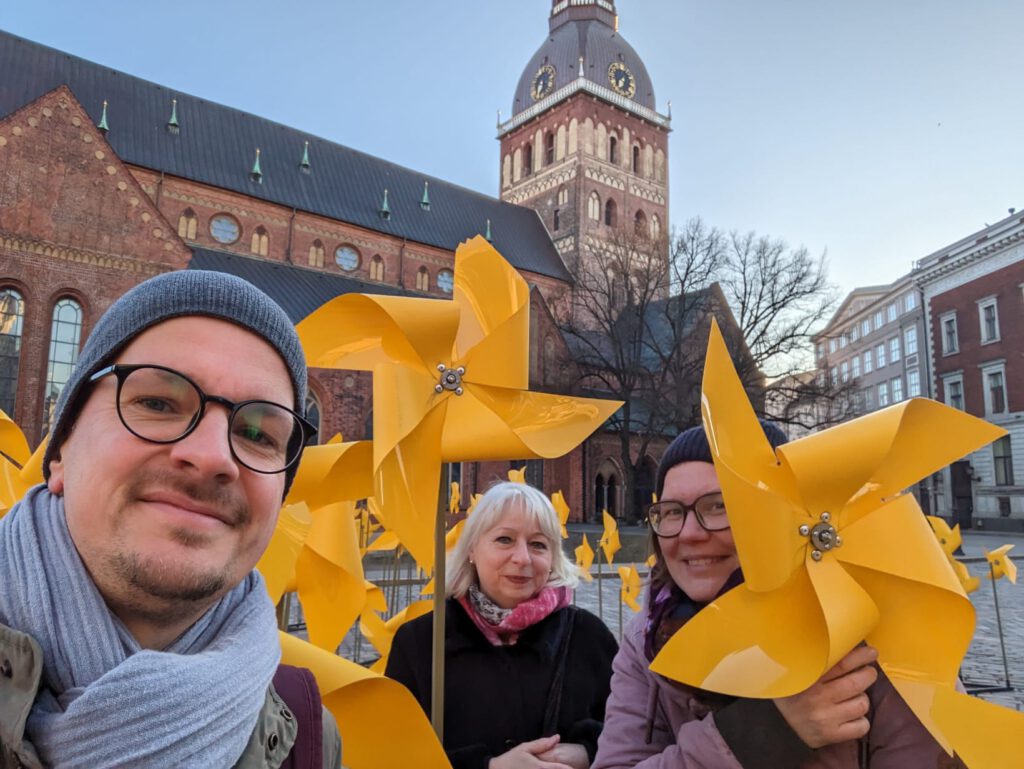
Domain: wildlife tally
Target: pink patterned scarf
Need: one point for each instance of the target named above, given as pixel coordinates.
(506, 631)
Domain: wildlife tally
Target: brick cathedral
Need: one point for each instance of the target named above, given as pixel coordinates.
(107, 179)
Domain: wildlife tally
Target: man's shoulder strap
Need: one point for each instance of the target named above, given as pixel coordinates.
(297, 687)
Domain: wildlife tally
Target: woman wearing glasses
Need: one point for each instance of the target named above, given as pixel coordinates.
(852, 717)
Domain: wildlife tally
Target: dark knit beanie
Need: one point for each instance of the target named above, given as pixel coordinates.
(174, 295)
(692, 446)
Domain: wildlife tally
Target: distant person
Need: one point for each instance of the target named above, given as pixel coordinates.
(526, 672)
(134, 631)
(851, 718)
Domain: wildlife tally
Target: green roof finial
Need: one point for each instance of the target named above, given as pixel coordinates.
(425, 202)
(488, 233)
(385, 209)
(304, 164)
(256, 174)
(102, 125)
(172, 124)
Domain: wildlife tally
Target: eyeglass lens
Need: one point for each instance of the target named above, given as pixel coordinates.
(667, 518)
(163, 406)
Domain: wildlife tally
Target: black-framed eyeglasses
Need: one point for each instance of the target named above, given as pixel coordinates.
(161, 405)
(668, 518)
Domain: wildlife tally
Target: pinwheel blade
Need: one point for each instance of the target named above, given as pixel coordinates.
(983, 734)
(277, 564)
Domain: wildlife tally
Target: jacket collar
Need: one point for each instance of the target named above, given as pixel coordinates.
(460, 634)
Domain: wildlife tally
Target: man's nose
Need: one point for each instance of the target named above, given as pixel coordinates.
(207, 447)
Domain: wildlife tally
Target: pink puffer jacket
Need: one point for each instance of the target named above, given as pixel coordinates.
(747, 734)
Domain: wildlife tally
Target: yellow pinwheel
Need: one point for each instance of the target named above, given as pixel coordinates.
(950, 541)
(517, 476)
(450, 381)
(630, 590)
(832, 552)
(381, 632)
(1000, 564)
(20, 468)
(585, 559)
(609, 542)
(562, 508)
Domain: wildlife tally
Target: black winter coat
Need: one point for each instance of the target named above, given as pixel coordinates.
(495, 696)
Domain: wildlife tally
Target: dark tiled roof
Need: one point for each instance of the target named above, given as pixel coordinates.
(299, 290)
(217, 145)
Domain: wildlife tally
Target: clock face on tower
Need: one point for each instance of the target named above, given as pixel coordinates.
(621, 79)
(543, 82)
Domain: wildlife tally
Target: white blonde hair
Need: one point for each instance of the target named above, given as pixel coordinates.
(498, 499)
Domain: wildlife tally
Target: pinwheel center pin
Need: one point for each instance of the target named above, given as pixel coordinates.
(451, 379)
(823, 536)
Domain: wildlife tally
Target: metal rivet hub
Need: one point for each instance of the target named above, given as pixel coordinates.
(451, 379)
(823, 536)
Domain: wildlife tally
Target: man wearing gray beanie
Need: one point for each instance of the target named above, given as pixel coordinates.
(134, 629)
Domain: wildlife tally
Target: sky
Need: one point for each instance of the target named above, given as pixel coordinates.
(875, 131)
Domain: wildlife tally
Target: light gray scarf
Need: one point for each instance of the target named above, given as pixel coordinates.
(106, 702)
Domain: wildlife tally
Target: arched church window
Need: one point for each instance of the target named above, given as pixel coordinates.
(557, 220)
(549, 148)
(613, 150)
(313, 417)
(610, 213)
(594, 207)
(377, 268)
(188, 222)
(640, 224)
(563, 195)
(260, 241)
(65, 335)
(422, 279)
(528, 159)
(316, 254)
(636, 159)
(655, 227)
(12, 316)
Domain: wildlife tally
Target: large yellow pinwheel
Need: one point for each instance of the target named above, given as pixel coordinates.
(450, 383)
(833, 553)
(562, 509)
(950, 541)
(585, 559)
(630, 590)
(609, 542)
(20, 468)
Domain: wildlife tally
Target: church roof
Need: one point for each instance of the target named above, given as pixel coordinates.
(216, 145)
(588, 30)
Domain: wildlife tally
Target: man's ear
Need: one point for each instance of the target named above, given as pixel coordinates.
(56, 482)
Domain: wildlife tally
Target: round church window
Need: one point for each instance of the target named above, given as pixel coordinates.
(446, 281)
(346, 257)
(225, 229)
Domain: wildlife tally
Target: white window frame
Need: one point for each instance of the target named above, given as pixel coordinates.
(869, 362)
(948, 380)
(854, 332)
(883, 394)
(844, 371)
(832, 344)
(855, 366)
(894, 349)
(909, 301)
(909, 335)
(913, 383)
(869, 398)
(943, 319)
(987, 370)
(896, 389)
(880, 356)
(984, 304)
(865, 327)
(891, 313)
(834, 376)
(879, 319)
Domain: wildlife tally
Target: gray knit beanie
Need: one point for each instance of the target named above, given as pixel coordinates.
(175, 295)
(692, 446)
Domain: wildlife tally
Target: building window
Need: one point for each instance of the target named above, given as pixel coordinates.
(896, 388)
(1002, 461)
(988, 313)
(854, 332)
(613, 150)
(636, 159)
(188, 222)
(225, 229)
(913, 383)
(894, 349)
(843, 341)
(347, 258)
(869, 399)
(422, 279)
(883, 394)
(891, 312)
(910, 339)
(316, 254)
(563, 195)
(556, 221)
(950, 340)
(834, 376)
(995, 391)
(909, 302)
(868, 362)
(610, 217)
(844, 371)
(446, 281)
(12, 316)
(880, 356)
(655, 227)
(528, 159)
(312, 414)
(65, 334)
(832, 345)
(377, 268)
(953, 389)
(865, 327)
(640, 224)
(549, 148)
(260, 241)
(855, 366)
(594, 206)
(879, 320)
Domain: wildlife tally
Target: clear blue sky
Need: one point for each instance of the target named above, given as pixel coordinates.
(881, 130)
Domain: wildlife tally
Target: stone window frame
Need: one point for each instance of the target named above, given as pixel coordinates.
(989, 302)
(988, 370)
(949, 346)
(955, 378)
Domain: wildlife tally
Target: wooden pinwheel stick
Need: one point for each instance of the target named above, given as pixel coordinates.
(600, 589)
(999, 623)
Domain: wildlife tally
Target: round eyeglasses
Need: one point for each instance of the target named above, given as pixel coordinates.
(667, 518)
(161, 405)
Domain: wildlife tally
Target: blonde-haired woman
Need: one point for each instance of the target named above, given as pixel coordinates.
(526, 673)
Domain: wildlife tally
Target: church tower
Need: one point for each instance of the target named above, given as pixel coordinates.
(585, 145)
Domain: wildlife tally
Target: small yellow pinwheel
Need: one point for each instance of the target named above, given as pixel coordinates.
(630, 590)
(950, 541)
(450, 383)
(517, 476)
(20, 468)
(585, 559)
(609, 542)
(832, 552)
(562, 508)
(1000, 564)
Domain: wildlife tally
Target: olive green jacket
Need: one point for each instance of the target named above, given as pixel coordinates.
(21, 667)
